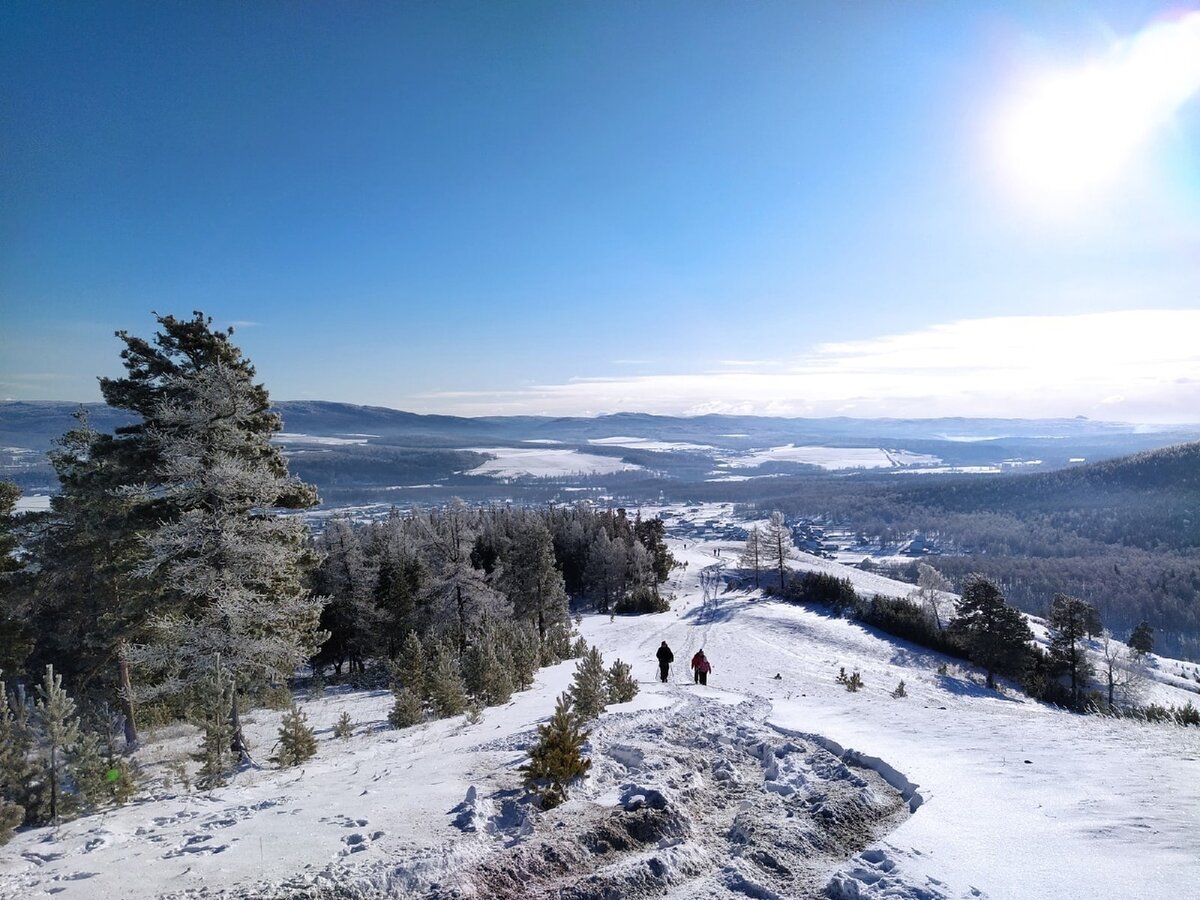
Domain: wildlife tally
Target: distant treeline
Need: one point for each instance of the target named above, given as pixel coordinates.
(1123, 534)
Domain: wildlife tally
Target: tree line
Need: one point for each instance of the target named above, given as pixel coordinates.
(174, 576)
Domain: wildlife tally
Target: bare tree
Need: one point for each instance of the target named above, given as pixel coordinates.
(932, 587)
(777, 545)
(1122, 670)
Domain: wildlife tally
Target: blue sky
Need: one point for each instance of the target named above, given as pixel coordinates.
(575, 208)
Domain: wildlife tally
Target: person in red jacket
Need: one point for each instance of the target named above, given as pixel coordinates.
(701, 666)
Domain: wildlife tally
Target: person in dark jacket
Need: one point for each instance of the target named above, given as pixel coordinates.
(665, 658)
(701, 666)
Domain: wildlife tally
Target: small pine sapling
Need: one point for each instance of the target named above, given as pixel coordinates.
(621, 685)
(407, 710)
(447, 691)
(522, 643)
(900, 690)
(344, 728)
(579, 648)
(557, 758)
(11, 815)
(215, 755)
(589, 690)
(409, 668)
(55, 713)
(854, 683)
(474, 714)
(842, 678)
(297, 742)
(21, 778)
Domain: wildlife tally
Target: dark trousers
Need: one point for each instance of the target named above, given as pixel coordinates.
(701, 677)
(662, 671)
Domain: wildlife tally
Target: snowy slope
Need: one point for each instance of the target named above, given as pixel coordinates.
(752, 786)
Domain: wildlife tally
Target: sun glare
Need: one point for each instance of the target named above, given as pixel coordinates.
(1070, 134)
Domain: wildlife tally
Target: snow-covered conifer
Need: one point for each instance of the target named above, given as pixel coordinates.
(447, 691)
(486, 677)
(22, 783)
(216, 700)
(458, 595)
(621, 685)
(521, 641)
(557, 758)
(58, 728)
(234, 567)
(531, 579)
(409, 666)
(1141, 639)
(407, 710)
(297, 742)
(1068, 625)
(996, 635)
(589, 689)
(344, 727)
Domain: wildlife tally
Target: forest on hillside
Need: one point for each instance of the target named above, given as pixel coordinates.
(1123, 534)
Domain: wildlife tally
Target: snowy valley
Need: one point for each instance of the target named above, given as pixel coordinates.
(772, 781)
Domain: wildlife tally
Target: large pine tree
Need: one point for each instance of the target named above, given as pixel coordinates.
(1069, 622)
(995, 634)
(233, 569)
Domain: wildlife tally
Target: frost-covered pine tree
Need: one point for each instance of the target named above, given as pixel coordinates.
(58, 728)
(487, 678)
(350, 616)
(621, 685)
(557, 758)
(589, 689)
(751, 557)
(407, 709)
(21, 778)
(531, 579)
(297, 742)
(458, 595)
(233, 568)
(521, 640)
(409, 665)
(605, 574)
(777, 546)
(447, 691)
(216, 699)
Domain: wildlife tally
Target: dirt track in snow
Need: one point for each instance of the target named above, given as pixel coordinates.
(702, 800)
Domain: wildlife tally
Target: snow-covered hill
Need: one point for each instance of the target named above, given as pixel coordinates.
(772, 781)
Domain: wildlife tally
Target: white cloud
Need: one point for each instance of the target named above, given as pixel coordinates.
(1138, 365)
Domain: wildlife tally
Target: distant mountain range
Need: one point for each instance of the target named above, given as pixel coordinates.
(356, 450)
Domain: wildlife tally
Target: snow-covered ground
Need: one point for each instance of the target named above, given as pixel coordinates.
(640, 443)
(514, 462)
(772, 781)
(833, 457)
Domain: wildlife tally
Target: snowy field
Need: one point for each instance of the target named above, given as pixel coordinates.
(772, 781)
(515, 462)
(639, 443)
(833, 458)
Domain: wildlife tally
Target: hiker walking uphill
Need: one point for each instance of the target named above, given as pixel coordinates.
(701, 666)
(665, 658)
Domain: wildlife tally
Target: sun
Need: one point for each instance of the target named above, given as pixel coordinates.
(1068, 136)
